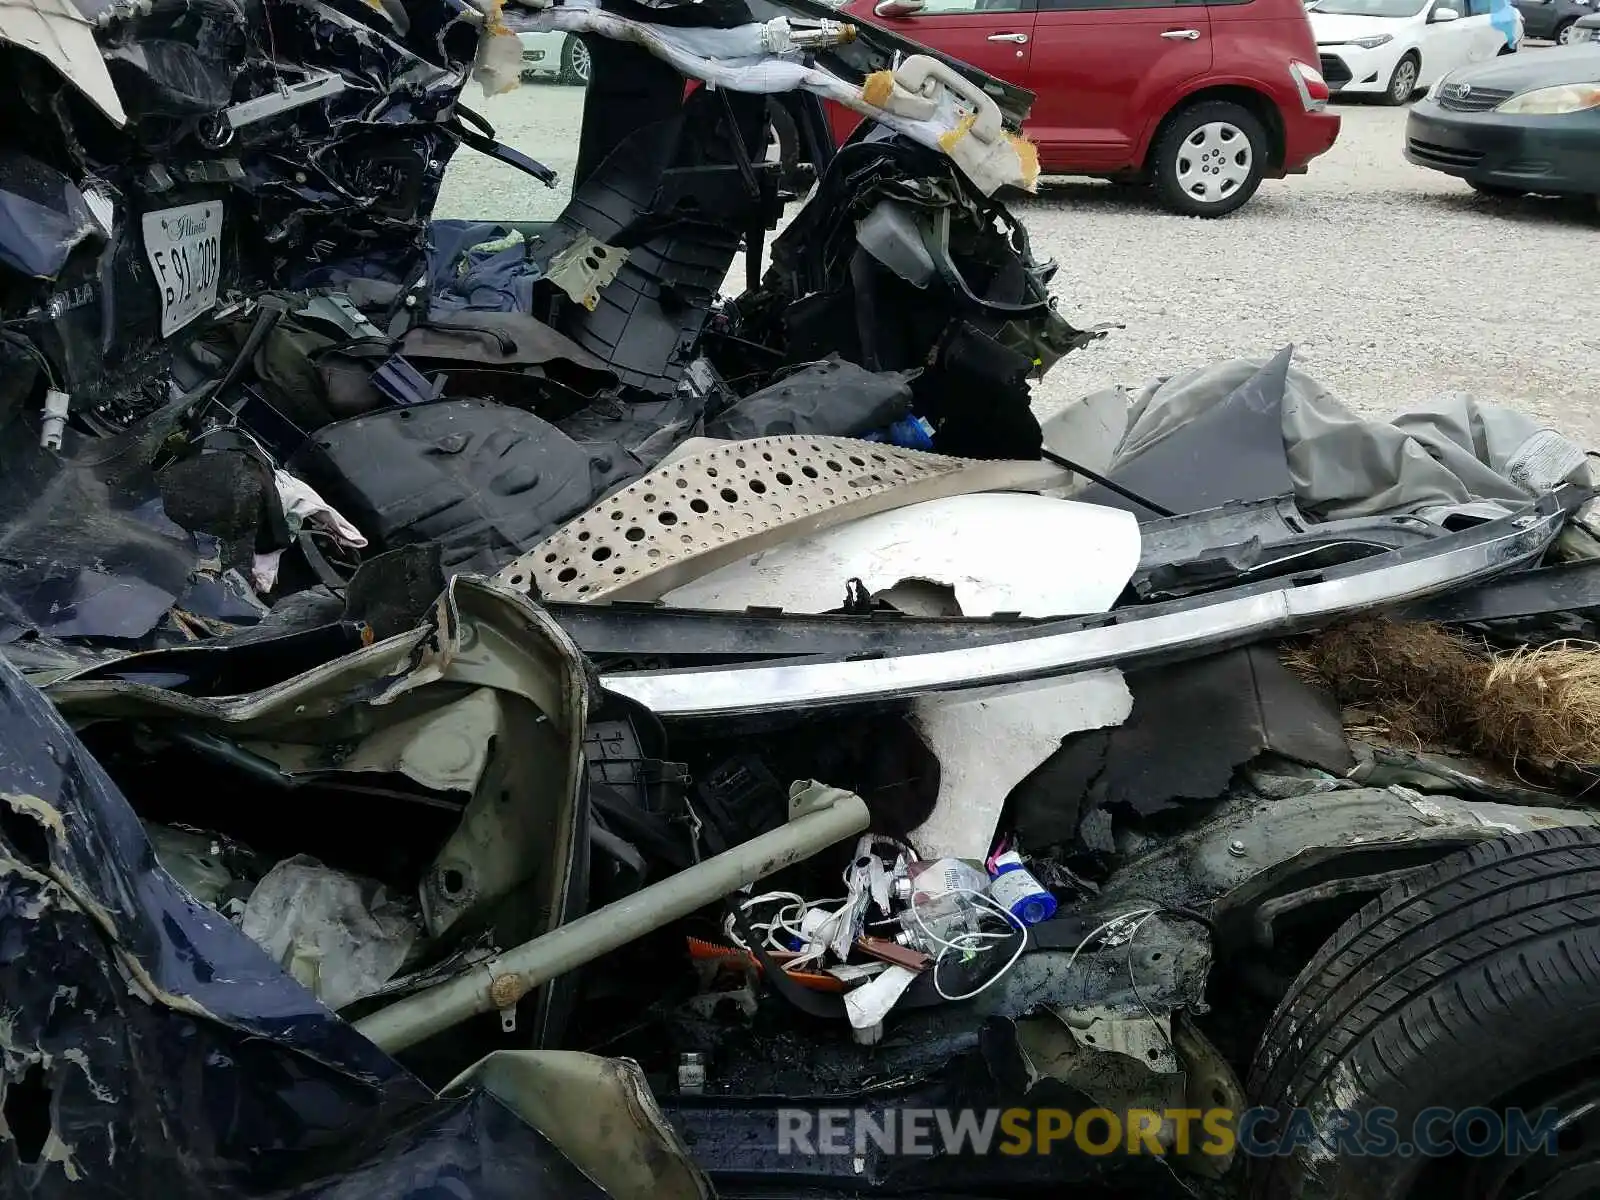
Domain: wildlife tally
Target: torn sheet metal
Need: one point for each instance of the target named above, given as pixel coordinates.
(88, 549)
(1177, 628)
(518, 833)
(44, 218)
(701, 512)
(998, 552)
(987, 744)
(117, 982)
(600, 1111)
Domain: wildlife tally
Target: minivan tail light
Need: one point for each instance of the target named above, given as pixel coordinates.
(1313, 88)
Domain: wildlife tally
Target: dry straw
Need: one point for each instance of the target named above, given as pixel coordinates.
(1538, 707)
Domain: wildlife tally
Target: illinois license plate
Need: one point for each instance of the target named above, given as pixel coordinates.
(184, 246)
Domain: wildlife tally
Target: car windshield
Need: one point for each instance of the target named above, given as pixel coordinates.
(1370, 8)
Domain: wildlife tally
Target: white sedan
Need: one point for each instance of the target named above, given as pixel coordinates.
(1394, 48)
(560, 54)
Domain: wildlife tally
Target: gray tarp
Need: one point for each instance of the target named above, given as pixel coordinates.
(1456, 457)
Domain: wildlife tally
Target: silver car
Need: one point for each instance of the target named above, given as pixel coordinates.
(555, 53)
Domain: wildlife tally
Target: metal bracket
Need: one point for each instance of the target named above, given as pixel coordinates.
(284, 99)
(1145, 1039)
(807, 796)
(584, 267)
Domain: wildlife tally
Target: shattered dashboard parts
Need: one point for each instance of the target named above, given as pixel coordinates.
(1125, 638)
(703, 511)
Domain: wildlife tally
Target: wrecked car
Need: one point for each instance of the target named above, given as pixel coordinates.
(483, 712)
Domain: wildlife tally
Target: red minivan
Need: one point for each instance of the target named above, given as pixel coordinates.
(1202, 100)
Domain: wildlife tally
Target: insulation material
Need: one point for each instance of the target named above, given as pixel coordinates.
(498, 68)
(985, 547)
(987, 743)
(341, 936)
(740, 59)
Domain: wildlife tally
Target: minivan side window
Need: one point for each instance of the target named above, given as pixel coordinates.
(1091, 5)
(1479, 8)
(945, 8)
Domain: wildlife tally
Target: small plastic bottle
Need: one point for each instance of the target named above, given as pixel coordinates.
(1014, 888)
(927, 878)
(934, 925)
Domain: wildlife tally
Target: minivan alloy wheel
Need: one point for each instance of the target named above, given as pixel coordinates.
(1214, 162)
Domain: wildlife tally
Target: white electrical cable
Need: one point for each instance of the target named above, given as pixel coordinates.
(976, 942)
(1142, 915)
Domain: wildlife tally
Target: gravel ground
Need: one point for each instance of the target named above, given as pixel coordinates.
(1393, 282)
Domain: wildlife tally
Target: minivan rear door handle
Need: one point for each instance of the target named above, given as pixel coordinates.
(1018, 38)
(1186, 35)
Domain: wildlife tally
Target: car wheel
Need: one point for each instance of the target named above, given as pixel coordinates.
(1495, 191)
(1210, 159)
(1465, 993)
(574, 60)
(1403, 83)
(1563, 35)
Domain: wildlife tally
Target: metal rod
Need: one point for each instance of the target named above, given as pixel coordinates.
(504, 981)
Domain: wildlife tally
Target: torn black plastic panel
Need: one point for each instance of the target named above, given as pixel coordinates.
(828, 397)
(150, 1048)
(673, 196)
(483, 481)
(1193, 724)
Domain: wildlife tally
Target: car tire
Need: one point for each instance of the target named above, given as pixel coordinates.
(1496, 192)
(1403, 81)
(1209, 159)
(1474, 984)
(1563, 33)
(575, 61)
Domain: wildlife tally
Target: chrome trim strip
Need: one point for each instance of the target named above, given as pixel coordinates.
(1447, 562)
